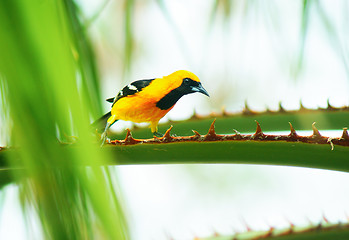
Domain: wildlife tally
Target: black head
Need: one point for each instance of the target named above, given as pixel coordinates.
(190, 86)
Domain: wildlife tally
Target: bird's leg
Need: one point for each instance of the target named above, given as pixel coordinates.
(104, 137)
(154, 129)
(111, 120)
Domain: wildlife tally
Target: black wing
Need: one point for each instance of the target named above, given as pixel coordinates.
(131, 89)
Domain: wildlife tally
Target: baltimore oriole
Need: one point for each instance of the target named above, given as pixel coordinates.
(149, 100)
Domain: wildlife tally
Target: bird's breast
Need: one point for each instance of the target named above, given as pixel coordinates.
(138, 109)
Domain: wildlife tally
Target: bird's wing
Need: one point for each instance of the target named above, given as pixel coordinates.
(130, 89)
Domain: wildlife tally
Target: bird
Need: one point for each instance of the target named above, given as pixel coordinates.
(149, 100)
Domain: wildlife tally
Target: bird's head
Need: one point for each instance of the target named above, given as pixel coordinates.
(177, 85)
(187, 82)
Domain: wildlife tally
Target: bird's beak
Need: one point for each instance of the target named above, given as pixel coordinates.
(200, 89)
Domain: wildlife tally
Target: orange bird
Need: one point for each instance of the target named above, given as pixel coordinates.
(150, 100)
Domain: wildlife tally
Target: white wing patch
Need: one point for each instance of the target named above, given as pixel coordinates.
(132, 87)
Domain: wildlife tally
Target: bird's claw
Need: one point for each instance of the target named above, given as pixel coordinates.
(104, 139)
(157, 134)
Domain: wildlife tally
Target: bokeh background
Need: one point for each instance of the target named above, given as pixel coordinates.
(262, 53)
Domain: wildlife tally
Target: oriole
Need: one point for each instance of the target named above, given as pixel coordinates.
(149, 100)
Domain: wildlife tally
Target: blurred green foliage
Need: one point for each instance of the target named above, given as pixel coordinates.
(50, 83)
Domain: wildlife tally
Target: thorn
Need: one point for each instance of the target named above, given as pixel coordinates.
(292, 226)
(167, 136)
(259, 129)
(319, 226)
(211, 135)
(213, 115)
(247, 110)
(258, 134)
(325, 219)
(271, 229)
(281, 109)
(329, 106)
(316, 132)
(237, 132)
(246, 105)
(345, 134)
(128, 134)
(194, 116)
(293, 132)
(269, 233)
(301, 106)
(196, 133)
(212, 131)
(224, 112)
(129, 139)
(248, 228)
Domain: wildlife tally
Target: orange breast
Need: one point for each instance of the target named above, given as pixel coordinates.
(138, 108)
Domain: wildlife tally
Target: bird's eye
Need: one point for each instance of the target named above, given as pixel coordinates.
(186, 81)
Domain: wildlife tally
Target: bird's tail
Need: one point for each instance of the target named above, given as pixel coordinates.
(101, 122)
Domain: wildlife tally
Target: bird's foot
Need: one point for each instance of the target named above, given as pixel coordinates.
(104, 139)
(157, 134)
